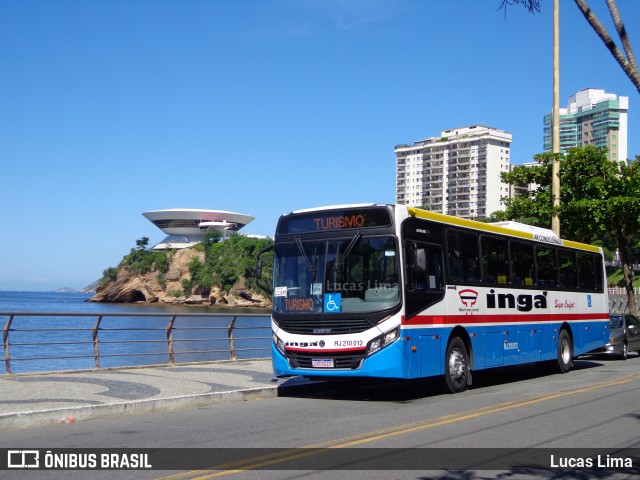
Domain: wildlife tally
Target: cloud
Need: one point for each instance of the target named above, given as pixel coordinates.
(347, 14)
(305, 17)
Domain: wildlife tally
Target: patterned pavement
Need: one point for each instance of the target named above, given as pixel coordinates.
(28, 400)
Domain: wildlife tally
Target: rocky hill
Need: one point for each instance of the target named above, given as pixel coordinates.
(172, 283)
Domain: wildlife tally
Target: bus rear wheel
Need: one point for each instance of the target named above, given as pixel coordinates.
(565, 355)
(457, 366)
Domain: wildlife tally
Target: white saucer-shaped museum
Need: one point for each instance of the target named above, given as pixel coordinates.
(186, 227)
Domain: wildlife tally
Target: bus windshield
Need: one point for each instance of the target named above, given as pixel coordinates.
(355, 274)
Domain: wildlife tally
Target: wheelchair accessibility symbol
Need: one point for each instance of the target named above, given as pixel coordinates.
(332, 302)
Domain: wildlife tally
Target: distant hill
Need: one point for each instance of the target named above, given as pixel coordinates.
(66, 290)
(90, 288)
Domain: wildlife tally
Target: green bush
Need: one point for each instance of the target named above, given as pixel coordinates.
(226, 261)
(144, 261)
(109, 275)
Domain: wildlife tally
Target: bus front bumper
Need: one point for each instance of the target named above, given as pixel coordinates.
(387, 363)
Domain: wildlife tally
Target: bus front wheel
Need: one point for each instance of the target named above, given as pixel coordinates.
(457, 366)
(565, 356)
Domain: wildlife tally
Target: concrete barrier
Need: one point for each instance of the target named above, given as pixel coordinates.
(619, 303)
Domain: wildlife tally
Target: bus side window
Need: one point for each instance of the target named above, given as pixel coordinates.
(522, 264)
(434, 268)
(495, 261)
(568, 275)
(424, 267)
(421, 269)
(586, 272)
(546, 266)
(463, 257)
(410, 256)
(425, 276)
(589, 272)
(599, 283)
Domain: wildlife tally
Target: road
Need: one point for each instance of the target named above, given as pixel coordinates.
(595, 406)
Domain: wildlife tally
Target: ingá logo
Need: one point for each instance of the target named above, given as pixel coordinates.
(468, 297)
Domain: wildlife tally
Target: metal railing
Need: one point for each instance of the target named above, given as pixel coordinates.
(622, 291)
(72, 341)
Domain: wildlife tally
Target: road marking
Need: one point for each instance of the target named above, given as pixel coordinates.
(259, 462)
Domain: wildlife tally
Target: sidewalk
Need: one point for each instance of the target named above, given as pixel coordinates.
(39, 399)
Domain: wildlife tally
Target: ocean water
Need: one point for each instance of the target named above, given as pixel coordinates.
(58, 342)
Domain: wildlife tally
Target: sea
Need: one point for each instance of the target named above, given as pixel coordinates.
(58, 342)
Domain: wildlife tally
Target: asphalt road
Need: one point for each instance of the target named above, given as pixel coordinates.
(595, 407)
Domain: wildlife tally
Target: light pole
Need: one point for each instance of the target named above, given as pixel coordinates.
(555, 138)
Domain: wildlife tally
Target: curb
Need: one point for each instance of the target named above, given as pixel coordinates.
(41, 418)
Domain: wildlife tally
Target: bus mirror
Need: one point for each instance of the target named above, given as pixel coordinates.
(259, 269)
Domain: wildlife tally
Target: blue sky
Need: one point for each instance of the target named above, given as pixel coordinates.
(112, 108)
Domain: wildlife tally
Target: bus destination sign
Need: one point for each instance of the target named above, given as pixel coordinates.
(323, 221)
(339, 222)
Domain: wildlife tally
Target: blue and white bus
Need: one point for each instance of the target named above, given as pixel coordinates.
(389, 291)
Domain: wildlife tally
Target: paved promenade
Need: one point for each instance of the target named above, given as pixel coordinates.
(39, 399)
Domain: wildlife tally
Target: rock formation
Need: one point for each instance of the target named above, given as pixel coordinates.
(151, 287)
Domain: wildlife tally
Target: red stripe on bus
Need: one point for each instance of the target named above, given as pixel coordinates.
(504, 318)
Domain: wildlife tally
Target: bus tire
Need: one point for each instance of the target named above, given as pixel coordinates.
(456, 367)
(565, 355)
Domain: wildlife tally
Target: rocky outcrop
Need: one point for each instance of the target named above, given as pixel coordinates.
(152, 287)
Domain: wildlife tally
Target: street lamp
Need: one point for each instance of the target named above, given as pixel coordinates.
(555, 138)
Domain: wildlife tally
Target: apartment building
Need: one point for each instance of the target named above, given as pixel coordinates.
(457, 173)
(592, 117)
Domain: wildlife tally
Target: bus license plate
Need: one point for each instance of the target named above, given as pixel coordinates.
(322, 362)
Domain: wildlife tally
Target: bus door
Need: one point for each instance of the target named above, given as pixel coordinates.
(424, 288)
(499, 333)
(546, 281)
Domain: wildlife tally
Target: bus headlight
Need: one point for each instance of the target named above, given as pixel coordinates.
(382, 341)
(279, 344)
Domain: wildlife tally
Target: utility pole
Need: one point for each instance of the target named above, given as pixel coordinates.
(555, 139)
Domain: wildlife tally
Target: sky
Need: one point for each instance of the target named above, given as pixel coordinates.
(109, 109)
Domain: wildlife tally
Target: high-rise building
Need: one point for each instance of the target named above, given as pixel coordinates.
(592, 117)
(457, 173)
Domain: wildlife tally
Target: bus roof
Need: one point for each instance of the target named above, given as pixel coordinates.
(514, 229)
(511, 228)
(337, 207)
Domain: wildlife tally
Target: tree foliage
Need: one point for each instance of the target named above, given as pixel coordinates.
(142, 243)
(228, 261)
(141, 260)
(108, 275)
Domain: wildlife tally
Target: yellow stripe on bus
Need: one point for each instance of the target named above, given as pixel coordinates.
(439, 217)
(582, 246)
(487, 227)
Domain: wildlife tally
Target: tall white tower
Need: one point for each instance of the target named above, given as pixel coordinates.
(457, 173)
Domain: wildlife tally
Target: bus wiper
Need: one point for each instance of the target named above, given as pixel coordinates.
(304, 255)
(347, 251)
(352, 244)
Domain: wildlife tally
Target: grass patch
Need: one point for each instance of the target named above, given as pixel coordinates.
(615, 277)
